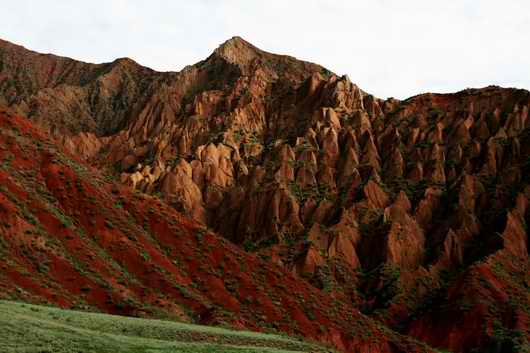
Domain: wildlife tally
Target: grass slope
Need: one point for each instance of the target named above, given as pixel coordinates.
(41, 329)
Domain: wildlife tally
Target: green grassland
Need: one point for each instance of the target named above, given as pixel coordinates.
(41, 329)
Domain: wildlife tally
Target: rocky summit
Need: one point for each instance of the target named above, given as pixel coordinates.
(264, 192)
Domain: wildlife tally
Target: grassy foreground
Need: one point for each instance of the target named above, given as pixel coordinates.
(42, 329)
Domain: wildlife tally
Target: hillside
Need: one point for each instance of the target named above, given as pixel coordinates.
(292, 187)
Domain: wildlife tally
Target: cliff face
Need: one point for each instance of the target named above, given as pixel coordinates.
(400, 208)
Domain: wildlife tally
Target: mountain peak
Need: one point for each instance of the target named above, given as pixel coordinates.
(238, 51)
(126, 62)
(236, 42)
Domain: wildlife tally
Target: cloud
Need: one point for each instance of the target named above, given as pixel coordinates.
(390, 48)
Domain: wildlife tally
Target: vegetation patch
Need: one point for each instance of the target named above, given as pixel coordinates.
(32, 328)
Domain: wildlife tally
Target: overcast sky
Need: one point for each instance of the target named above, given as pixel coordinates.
(388, 47)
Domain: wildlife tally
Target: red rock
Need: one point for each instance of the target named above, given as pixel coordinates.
(376, 197)
(514, 236)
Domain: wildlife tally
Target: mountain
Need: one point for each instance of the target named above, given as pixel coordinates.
(328, 199)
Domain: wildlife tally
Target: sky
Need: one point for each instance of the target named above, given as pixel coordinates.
(389, 48)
